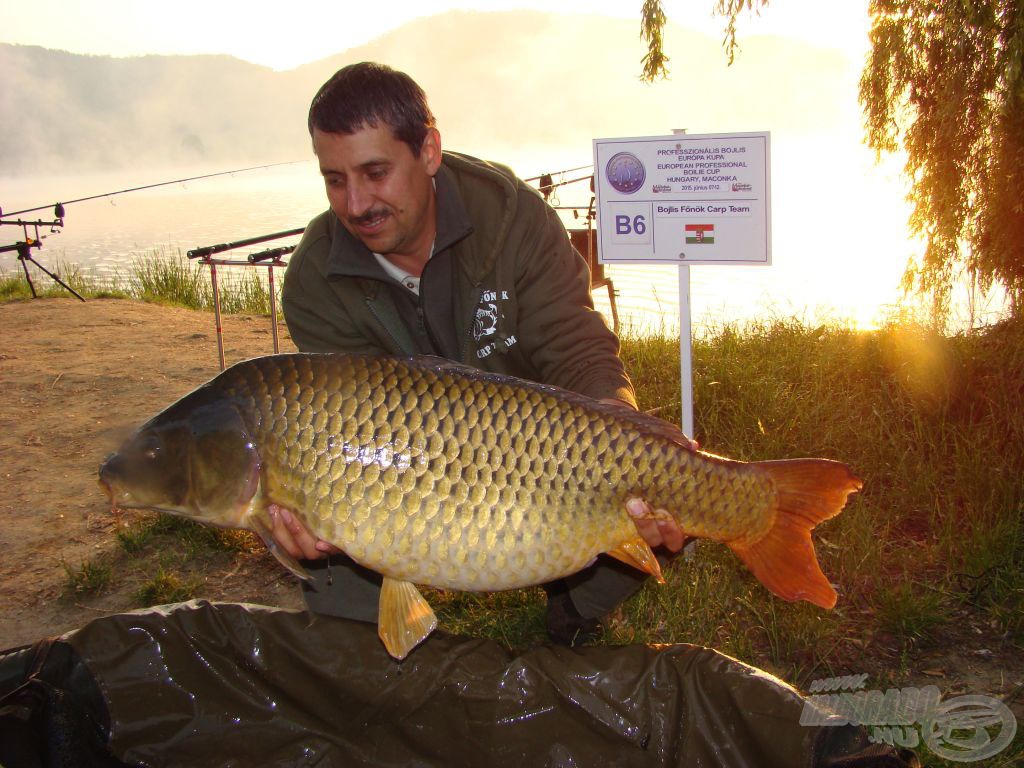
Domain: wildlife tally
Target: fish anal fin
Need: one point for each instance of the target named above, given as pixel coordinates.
(637, 553)
(405, 618)
(808, 491)
(259, 522)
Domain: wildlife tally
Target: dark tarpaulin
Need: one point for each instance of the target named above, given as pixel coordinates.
(202, 684)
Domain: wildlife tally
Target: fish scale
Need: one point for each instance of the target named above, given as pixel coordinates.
(433, 473)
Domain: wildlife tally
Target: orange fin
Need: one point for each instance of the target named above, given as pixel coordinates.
(637, 553)
(808, 491)
(404, 617)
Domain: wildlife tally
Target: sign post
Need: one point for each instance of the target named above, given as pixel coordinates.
(684, 199)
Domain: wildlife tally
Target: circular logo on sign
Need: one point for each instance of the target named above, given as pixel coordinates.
(625, 172)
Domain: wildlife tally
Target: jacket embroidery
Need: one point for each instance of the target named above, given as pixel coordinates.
(485, 323)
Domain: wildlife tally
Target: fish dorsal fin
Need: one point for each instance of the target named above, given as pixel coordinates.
(405, 618)
(259, 522)
(637, 553)
(643, 421)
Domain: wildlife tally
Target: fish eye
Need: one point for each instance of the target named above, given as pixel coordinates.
(150, 447)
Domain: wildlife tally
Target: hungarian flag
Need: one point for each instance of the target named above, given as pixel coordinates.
(700, 234)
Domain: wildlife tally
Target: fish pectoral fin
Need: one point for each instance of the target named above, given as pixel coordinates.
(405, 618)
(260, 524)
(637, 553)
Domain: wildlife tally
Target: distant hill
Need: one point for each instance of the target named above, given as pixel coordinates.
(63, 112)
(498, 82)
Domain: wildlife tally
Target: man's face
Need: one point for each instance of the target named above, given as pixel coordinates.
(380, 191)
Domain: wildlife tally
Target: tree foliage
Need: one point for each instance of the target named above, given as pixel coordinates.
(944, 81)
(652, 27)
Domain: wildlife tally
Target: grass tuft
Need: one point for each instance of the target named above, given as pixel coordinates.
(90, 577)
(911, 611)
(167, 586)
(195, 539)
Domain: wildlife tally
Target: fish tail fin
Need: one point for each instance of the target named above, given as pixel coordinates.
(808, 491)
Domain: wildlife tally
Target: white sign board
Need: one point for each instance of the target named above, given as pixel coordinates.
(684, 199)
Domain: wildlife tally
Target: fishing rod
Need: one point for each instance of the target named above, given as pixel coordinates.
(160, 184)
(572, 181)
(558, 173)
(209, 250)
(24, 247)
(547, 185)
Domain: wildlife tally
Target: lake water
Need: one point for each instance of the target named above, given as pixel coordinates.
(826, 262)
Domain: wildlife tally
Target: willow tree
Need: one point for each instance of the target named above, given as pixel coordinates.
(944, 81)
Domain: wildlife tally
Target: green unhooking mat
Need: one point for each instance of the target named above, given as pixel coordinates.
(201, 684)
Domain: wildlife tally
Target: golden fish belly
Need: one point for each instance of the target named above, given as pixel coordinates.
(472, 482)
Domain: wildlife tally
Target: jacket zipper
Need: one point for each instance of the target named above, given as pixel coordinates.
(379, 319)
(421, 316)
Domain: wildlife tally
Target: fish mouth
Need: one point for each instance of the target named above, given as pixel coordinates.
(106, 479)
(119, 497)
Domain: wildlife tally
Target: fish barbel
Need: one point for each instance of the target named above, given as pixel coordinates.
(430, 472)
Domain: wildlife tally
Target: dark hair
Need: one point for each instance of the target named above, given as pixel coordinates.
(367, 94)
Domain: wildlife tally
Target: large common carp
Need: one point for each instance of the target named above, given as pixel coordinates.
(430, 472)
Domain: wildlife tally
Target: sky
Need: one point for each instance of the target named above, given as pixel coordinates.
(283, 35)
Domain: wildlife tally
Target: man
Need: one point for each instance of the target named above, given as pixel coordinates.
(431, 252)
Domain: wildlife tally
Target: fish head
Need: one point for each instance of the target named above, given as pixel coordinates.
(196, 460)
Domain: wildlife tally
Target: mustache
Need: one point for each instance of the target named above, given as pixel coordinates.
(369, 216)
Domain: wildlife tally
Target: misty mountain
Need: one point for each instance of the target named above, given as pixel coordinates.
(498, 82)
(61, 112)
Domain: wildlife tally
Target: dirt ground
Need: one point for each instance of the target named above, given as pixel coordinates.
(78, 377)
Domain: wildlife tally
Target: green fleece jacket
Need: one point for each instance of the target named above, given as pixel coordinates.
(503, 292)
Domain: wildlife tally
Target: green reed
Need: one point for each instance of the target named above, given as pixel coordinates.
(161, 276)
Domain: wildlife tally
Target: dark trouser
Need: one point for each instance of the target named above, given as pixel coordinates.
(342, 587)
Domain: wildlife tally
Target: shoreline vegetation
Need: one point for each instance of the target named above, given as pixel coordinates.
(930, 555)
(156, 277)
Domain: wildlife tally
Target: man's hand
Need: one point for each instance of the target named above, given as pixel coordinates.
(657, 527)
(295, 539)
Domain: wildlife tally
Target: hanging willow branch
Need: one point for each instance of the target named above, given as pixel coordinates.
(652, 28)
(730, 9)
(652, 24)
